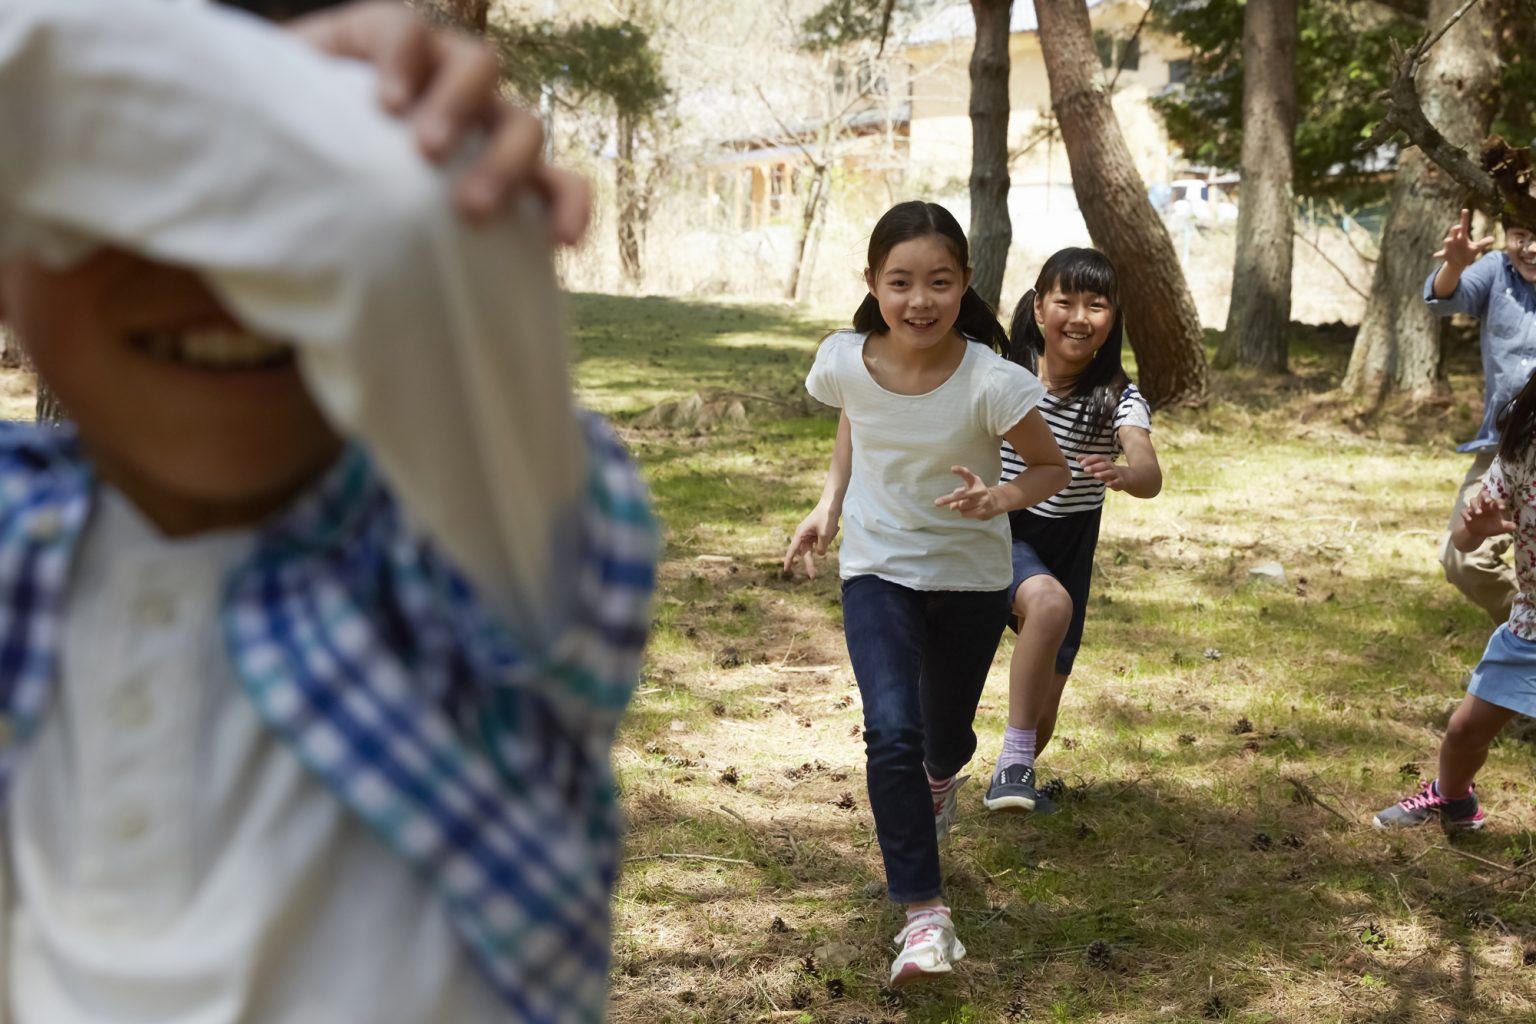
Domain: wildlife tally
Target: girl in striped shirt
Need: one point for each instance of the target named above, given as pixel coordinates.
(1067, 330)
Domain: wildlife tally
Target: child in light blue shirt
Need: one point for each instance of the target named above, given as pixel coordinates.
(1498, 288)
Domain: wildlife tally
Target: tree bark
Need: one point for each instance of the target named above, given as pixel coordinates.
(1260, 311)
(810, 210)
(991, 229)
(1398, 348)
(1160, 316)
(627, 188)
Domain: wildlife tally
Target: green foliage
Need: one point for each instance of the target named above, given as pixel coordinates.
(587, 61)
(1514, 114)
(1343, 62)
(840, 22)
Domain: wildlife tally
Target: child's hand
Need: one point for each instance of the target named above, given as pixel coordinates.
(973, 499)
(810, 539)
(1459, 251)
(449, 85)
(1102, 468)
(1483, 516)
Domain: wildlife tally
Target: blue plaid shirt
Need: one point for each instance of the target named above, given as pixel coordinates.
(1505, 304)
(485, 767)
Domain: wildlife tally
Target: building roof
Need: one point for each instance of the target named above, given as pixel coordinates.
(958, 22)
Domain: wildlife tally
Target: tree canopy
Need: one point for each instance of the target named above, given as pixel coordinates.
(1343, 61)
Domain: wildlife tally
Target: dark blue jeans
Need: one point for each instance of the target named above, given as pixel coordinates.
(921, 660)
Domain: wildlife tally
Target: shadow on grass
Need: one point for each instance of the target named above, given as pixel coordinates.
(1136, 887)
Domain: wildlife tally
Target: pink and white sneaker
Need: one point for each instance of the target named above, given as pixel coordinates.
(929, 948)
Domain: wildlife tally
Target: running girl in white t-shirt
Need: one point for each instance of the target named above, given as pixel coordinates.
(924, 567)
(1068, 330)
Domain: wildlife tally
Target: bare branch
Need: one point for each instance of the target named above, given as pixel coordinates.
(1344, 274)
(885, 26)
(1405, 114)
(1136, 35)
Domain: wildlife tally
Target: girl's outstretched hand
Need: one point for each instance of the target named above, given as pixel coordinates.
(810, 540)
(973, 499)
(1483, 516)
(1458, 250)
(1102, 468)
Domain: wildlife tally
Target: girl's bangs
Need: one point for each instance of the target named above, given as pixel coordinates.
(1085, 273)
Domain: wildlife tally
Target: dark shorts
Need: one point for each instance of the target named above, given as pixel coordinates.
(1061, 548)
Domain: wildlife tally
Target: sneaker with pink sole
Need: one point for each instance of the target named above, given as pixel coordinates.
(929, 949)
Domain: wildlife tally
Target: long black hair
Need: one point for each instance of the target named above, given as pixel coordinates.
(916, 219)
(1104, 379)
(1517, 423)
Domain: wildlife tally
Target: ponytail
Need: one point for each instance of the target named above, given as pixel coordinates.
(904, 222)
(1024, 330)
(1104, 379)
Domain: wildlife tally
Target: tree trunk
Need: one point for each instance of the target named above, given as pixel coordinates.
(810, 210)
(1160, 316)
(991, 230)
(628, 191)
(1398, 348)
(1260, 312)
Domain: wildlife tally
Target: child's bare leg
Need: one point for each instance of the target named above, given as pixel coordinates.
(1044, 610)
(1465, 747)
(1045, 728)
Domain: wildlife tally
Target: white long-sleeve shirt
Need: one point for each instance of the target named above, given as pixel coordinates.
(153, 804)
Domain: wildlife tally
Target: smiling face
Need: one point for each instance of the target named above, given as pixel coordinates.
(1075, 324)
(1520, 244)
(919, 287)
(198, 422)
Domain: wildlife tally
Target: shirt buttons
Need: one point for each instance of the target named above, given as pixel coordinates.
(130, 823)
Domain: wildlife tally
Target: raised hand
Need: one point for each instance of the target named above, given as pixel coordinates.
(973, 499)
(1458, 250)
(1483, 516)
(448, 84)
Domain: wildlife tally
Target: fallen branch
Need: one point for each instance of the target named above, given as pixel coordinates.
(1307, 796)
(686, 856)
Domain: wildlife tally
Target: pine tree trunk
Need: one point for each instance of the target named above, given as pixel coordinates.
(1398, 348)
(991, 230)
(810, 210)
(1160, 316)
(1260, 312)
(628, 190)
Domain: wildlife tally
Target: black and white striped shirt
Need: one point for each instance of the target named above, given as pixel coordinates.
(1084, 492)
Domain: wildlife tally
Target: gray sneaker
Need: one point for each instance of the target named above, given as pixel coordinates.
(1464, 815)
(1013, 789)
(947, 813)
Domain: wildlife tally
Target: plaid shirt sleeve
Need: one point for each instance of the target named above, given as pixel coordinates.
(596, 656)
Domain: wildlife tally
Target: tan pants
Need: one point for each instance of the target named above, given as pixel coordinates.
(1484, 576)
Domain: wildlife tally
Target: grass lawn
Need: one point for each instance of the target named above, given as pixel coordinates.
(1222, 742)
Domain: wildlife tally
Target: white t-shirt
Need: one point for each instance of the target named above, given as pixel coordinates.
(903, 448)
